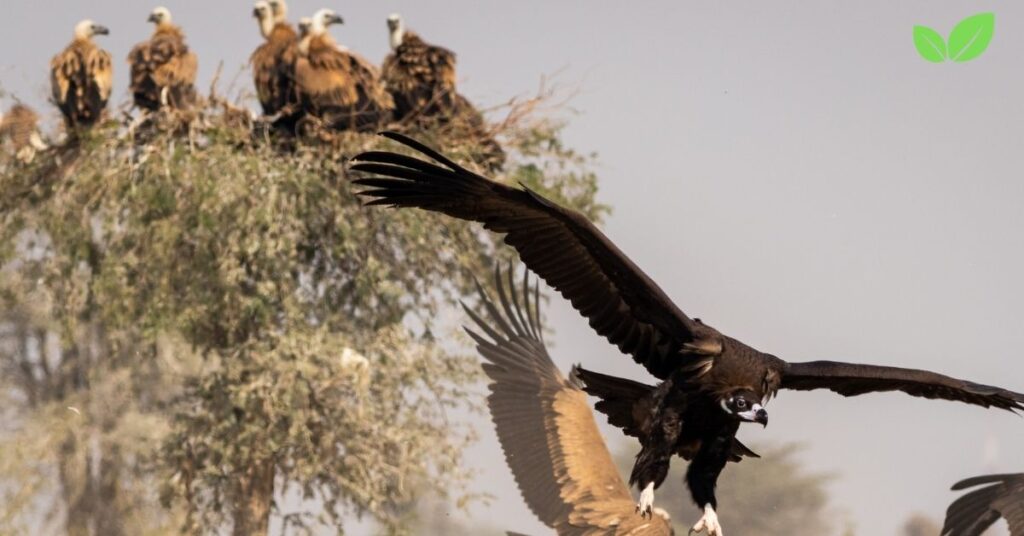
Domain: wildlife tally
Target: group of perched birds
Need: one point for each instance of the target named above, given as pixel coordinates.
(709, 383)
(301, 75)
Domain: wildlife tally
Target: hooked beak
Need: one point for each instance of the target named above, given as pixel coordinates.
(256, 12)
(335, 19)
(755, 414)
(152, 18)
(100, 30)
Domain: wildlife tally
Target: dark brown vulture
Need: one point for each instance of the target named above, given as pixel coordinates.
(163, 69)
(710, 382)
(546, 428)
(273, 62)
(421, 79)
(336, 86)
(81, 77)
(977, 510)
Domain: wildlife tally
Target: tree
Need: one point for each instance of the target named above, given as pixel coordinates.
(756, 497)
(224, 317)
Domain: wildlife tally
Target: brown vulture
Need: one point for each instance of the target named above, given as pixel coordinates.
(337, 86)
(163, 69)
(273, 62)
(81, 77)
(977, 510)
(20, 128)
(710, 382)
(546, 428)
(421, 79)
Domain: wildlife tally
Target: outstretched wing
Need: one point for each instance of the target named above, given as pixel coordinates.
(560, 245)
(976, 511)
(850, 380)
(546, 429)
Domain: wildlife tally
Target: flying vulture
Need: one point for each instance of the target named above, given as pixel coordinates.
(546, 428)
(81, 77)
(421, 79)
(273, 63)
(163, 69)
(20, 127)
(977, 510)
(710, 382)
(335, 85)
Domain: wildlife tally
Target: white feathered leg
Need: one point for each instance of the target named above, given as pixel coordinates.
(646, 504)
(708, 521)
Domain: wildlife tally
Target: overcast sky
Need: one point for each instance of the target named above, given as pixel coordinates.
(791, 172)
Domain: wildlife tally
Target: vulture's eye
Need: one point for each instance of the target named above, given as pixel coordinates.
(741, 403)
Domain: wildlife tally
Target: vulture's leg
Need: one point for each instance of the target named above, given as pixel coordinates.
(649, 472)
(702, 476)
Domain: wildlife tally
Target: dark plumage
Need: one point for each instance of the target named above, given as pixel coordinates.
(710, 382)
(273, 62)
(81, 77)
(547, 431)
(421, 79)
(163, 69)
(336, 86)
(977, 510)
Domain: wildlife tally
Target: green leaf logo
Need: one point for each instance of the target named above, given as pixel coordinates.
(971, 36)
(929, 44)
(968, 40)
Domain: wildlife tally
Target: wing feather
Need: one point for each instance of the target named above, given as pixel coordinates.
(565, 249)
(850, 380)
(974, 512)
(546, 428)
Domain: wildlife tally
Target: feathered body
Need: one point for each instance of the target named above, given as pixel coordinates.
(20, 127)
(163, 70)
(421, 79)
(81, 77)
(273, 63)
(337, 86)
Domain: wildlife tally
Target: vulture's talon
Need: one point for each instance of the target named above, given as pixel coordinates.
(646, 505)
(709, 522)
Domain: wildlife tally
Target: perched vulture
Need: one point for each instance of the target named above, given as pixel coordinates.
(335, 85)
(20, 127)
(710, 382)
(977, 510)
(546, 428)
(421, 79)
(273, 63)
(81, 77)
(163, 69)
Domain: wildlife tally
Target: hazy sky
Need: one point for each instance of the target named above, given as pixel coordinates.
(791, 172)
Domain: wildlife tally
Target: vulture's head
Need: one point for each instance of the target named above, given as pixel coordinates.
(264, 16)
(395, 30)
(160, 16)
(279, 9)
(745, 405)
(305, 23)
(87, 28)
(324, 18)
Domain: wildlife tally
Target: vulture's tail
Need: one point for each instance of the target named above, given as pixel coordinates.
(627, 403)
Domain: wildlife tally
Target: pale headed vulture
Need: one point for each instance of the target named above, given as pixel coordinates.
(710, 382)
(273, 62)
(335, 85)
(545, 426)
(81, 77)
(421, 79)
(19, 128)
(977, 510)
(163, 69)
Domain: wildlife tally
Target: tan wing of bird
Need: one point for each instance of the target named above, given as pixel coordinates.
(420, 77)
(20, 125)
(546, 428)
(273, 65)
(164, 61)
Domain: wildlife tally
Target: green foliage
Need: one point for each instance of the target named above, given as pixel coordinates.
(226, 319)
